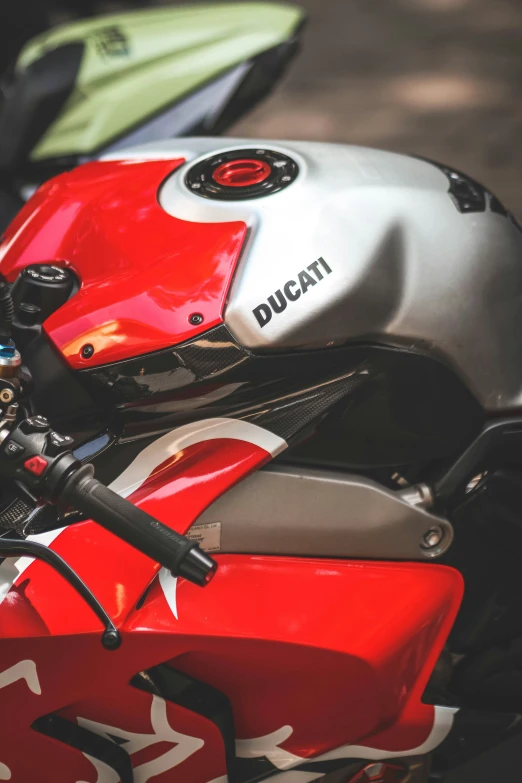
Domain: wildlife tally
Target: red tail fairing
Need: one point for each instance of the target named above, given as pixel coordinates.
(147, 280)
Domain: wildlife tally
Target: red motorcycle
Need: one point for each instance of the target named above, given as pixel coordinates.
(294, 368)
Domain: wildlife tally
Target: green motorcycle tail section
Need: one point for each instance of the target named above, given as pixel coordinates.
(134, 66)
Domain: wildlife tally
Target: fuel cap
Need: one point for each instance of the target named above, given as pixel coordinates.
(241, 174)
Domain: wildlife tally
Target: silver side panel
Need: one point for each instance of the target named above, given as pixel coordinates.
(285, 511)
(408, 268)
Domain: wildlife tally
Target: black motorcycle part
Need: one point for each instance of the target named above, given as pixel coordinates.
(267, 69)
(492, 678)
(414, 410)
(45, 287)
(86, 741)
(11, 547)
(57, 392)
(34, 99)
(472, 733)
(486, 550)
(178, 688)
(468, 195)
(10, 203)
(38, 458)
(37, 292)
(15, 510)
(26, 516)
(501, 439)
(6, 312)
(260, 769)
(21, 21)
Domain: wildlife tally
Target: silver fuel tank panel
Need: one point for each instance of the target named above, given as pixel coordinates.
(364, 245)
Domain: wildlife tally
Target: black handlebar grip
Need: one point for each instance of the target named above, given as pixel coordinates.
(180, 555)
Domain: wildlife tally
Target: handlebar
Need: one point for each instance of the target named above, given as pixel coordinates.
(40, 458)
(173, 551)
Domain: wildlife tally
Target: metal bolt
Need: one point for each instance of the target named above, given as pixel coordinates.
(432, 537)
(279, 164)
(196, 185)
(6, 395)
(196, 319)
(475, 481)
(417, 495)
(374, 771)
(12, 412)
(260, 152)
(400, 480)
(87, 351)
(286, 179)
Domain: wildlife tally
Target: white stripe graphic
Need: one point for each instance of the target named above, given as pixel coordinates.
(442, 723)
(23, 670)
(268, 747)
(173, 442)
(182, 745)
(169, 585)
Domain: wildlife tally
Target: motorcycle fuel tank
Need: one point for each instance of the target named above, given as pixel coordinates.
(294, 246)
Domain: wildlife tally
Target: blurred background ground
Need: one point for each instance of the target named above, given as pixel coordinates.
(439, 78)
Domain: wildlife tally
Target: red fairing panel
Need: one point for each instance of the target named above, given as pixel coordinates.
(143, 272)
(320, 658)
(318, 655)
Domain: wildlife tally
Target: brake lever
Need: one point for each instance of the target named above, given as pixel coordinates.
(9, 547)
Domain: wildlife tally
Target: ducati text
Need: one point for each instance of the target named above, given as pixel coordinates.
(291, 291)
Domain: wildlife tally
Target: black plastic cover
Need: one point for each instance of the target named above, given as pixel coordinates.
(10, 204)
(33, 100)
(267, 69)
